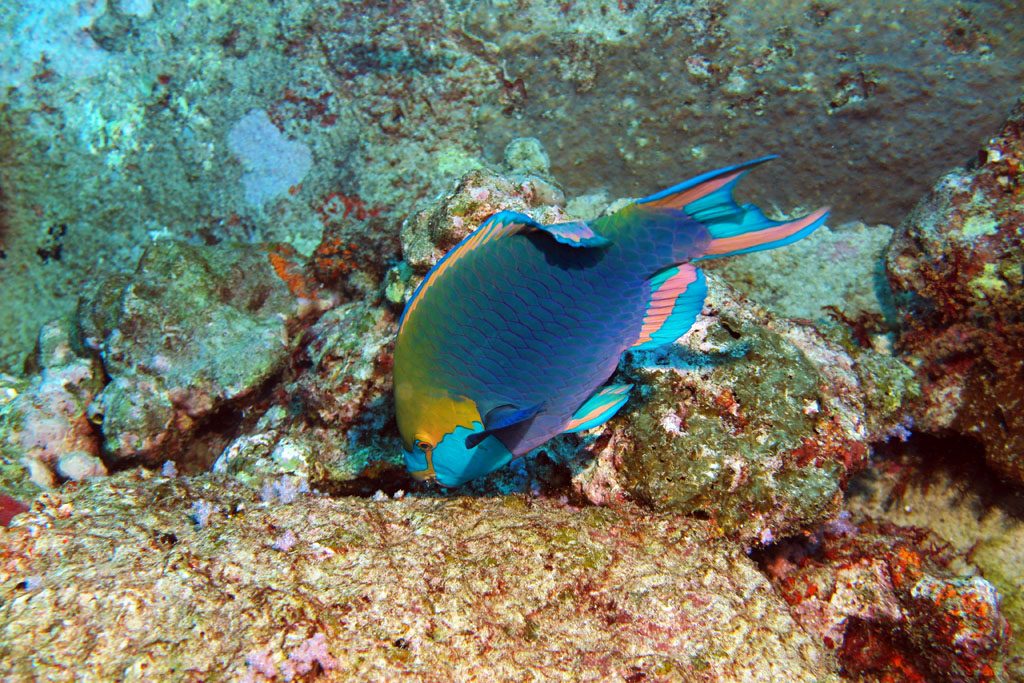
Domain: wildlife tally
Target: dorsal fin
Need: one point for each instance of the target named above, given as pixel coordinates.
(502, 224)
(599, 408)
(573, 233)
(676, 298)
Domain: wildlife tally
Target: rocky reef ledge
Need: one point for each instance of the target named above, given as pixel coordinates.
(145, 577)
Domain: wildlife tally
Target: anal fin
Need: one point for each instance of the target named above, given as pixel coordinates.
(676, 298)
(599, 408)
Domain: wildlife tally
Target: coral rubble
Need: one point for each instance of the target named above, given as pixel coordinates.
(329, 419)
(45, 428)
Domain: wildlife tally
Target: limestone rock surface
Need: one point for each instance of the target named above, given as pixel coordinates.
(137, 577)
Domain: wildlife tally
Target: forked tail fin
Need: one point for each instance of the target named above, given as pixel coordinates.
(734, 229)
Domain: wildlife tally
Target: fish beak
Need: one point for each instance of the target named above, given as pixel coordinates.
(428, 473)
(424, 475)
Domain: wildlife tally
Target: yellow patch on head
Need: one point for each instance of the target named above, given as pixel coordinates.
(429, 417)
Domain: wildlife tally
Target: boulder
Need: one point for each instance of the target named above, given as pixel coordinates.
(198, 579)
(957, 268)
(193, 332)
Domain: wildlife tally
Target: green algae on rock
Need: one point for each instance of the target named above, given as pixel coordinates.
(192, 331)
(411, 589)
(754, 421)
(329, 420)
(835, 87)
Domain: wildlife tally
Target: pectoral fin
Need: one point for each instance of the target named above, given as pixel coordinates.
(500, 418)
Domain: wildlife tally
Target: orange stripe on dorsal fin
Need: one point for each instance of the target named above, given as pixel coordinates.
(680, 199)
(578, 234)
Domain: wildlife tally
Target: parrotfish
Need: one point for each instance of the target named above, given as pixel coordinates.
(512, 337)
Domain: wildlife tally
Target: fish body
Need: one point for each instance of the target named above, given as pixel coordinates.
(511, 338)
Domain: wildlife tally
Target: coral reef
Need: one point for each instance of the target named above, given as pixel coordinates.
(183, 340)
(942, 486)
(412, 589)
(885, 600)
(956, 267)
(121, 136)
(212, 213)
(752, 420)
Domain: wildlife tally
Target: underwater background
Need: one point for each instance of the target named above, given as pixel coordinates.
(212, 214)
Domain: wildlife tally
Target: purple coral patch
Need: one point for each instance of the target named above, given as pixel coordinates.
(312, 651)
(272, 162)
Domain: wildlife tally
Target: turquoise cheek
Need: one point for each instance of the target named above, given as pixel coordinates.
(415, 461)
(455, 464)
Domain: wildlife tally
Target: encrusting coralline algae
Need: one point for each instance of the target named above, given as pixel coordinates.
(957, 269)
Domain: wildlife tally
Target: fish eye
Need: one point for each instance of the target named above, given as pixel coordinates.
(423, 445)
